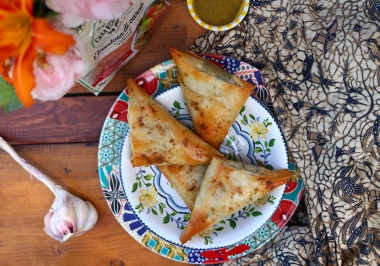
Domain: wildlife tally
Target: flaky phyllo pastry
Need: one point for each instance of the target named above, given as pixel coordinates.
(227, 187)
(213, 96)
(186, 180)
(156, 137)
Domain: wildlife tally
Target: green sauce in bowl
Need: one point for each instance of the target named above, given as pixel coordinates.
(217, 12)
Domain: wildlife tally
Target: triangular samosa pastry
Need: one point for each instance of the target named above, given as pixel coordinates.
(213, 96)
(186, 180)
(227, 187)
(156, 137)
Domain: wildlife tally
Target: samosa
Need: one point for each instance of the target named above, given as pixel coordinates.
(213, 96)
(156, 137)
(227, 187)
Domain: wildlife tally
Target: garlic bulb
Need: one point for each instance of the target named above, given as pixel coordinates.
(69, 215)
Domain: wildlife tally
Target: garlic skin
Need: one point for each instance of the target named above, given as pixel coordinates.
(69, 216)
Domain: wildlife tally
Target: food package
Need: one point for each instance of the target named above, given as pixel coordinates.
(110, 44)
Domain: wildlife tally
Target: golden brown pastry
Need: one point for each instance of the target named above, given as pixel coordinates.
(213, 96)
(227, 187)
(156, 137)
(186, 180)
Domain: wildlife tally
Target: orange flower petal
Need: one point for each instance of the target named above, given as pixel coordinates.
(25, 5)
(6, 52)
(23, 78)
(50, 40)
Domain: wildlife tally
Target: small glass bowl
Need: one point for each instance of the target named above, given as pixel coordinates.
(239, 17)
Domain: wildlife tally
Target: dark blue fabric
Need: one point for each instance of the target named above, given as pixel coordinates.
(320, 61)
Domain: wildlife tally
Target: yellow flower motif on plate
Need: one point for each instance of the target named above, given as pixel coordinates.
(257, 131)
(148, 197)
(206, 232)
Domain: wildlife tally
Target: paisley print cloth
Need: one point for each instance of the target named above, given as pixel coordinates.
(320, 61)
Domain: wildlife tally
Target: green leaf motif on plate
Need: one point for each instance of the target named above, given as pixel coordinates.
(176, 109)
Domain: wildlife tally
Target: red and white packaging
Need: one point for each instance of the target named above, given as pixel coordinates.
(110, 44)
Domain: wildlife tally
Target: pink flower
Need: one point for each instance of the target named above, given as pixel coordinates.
(55, 75)
(58, 76)
(75, 12)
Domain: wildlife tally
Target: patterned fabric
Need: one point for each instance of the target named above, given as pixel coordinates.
(320, 61)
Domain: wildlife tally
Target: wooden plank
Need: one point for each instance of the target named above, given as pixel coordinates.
(71, 119)
(178, 29)
(25, 202)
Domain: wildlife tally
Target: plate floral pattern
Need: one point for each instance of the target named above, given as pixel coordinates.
(143, 201)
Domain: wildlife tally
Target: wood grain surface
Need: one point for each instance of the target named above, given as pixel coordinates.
(25, 201)
(61, 139)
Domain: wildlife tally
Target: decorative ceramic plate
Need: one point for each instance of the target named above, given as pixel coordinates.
(150, 210)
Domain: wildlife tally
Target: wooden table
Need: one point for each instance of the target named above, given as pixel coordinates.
(61, 139)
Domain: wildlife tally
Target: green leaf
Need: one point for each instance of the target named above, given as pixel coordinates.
(222, 222)
(268, 166)
(177, 104)
(267, 150)
(148, 177)
(257, 150)
(205, 241)
(148, 184)
(173, 214)
(233, 215)
(176, 114)
(140, 184)
(269, 124)
(182, 227)
(245, 119)
(228, 142)
(243, 122)
(163, 205)
(257, 142)
(154, 212)
(242, 109)
(219, 228)
(233, 138)
(161, 209)
(8, 98)
(232, 224)
(266, 144)
(134, 187)
(167, 218)
(186, 217)
(271, 142)
(256, 213)
(251, 116)
(252, 209)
